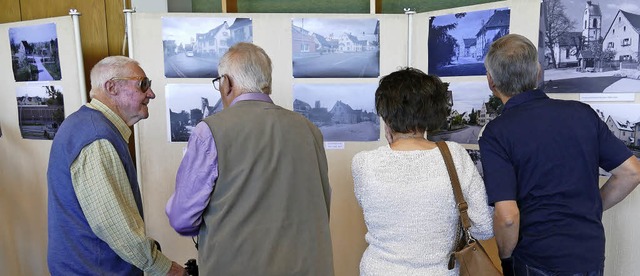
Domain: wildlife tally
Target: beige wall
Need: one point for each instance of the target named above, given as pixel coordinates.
(23, 163)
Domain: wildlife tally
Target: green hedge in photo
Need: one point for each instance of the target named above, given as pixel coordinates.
(26, 73)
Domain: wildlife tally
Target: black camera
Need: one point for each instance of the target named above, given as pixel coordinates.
(191, 267)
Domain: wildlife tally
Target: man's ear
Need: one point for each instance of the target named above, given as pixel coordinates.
(110, 87)
(492, 85)
(540, 72)
(230, 83)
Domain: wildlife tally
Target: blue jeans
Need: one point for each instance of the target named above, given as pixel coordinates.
(522, 269)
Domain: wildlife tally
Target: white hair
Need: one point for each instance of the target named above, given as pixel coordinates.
(249, 66)
(107, 68)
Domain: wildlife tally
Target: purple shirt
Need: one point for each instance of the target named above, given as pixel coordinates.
(197, 175)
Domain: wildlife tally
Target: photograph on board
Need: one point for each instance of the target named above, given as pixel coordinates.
(342, 112)
(187, 105)
(477, 160)
(590, 46)
(335, 48)
(473, 106)
(624, 122)
(40, 110)
(34, 53)
(193, 46)
(459, 42)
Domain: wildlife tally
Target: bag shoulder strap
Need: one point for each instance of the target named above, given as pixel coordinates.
(455, 183)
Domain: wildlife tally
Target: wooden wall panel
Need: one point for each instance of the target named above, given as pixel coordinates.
(115, 26)
(10, 11)
(230, 6)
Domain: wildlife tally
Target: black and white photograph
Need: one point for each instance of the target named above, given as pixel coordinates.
(193, 46)
(40, 111)
(459, 42)
(34, 53)
(590, 46)
(477, 160)
(335, 48)
(473, 106)
(187, 105)
(624, 122)
(343, 112)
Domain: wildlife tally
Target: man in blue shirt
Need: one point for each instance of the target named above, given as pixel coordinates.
(540, 159)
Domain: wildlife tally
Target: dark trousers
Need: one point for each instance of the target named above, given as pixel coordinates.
(515, 267)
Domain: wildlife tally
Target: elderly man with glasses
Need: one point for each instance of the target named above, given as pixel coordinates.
(253, 183)
(95, 216)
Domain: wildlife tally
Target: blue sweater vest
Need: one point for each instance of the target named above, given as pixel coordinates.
(73, 247)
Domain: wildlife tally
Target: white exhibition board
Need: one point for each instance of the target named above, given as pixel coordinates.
(160, 158)
(23, 162)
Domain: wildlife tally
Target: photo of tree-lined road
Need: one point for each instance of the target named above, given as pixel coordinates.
(34, 53)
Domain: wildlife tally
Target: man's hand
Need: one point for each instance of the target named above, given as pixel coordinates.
(176, 270)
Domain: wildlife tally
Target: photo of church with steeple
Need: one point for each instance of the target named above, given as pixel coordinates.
(589, 47)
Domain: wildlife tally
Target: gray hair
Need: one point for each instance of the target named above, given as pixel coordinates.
(107, 68)
(512, 62)
(249, 66)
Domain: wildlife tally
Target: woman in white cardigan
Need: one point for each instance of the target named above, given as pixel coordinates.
(404, 188)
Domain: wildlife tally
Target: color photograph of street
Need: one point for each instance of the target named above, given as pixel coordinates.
(34, 53)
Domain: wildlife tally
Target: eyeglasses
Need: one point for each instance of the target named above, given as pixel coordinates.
(143, 82)
(216, 82)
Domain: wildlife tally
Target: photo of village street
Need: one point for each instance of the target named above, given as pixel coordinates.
(193, 46)
(472, 106)
(342, 112)
(624, 122)
(590, 46)
(459, 42)
(187, 105)
(34, 53)
(335, 48)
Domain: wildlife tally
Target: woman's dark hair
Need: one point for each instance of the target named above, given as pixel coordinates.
(409, 100)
